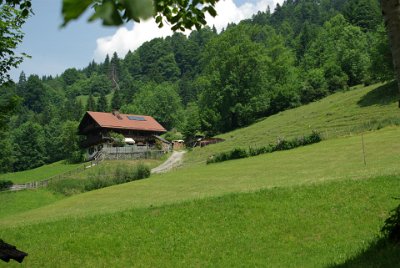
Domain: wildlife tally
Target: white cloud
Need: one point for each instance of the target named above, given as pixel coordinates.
(124, 40)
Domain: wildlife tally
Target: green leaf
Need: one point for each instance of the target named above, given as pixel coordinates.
(138, 8)
(212, 11)
(108, 13)
(72, 9)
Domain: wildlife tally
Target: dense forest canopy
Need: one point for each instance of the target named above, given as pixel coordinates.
(206, 82)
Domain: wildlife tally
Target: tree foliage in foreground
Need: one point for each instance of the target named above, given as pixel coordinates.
(12, 17)
(180, 15)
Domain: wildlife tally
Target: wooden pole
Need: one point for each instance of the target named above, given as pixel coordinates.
(363, 147)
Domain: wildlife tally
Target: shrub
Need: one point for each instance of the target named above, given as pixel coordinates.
(282, 144)
(118, 139)
(5, 185)
(313, 138)
(238, 153)
(67, 186)
(259, 150)
(101, 177)
(94, 183)
(141, 172)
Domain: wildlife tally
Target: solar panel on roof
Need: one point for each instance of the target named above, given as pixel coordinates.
(136, 118)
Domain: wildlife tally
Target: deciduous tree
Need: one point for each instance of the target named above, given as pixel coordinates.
(70, 142)
(12, 17)
(160, 101)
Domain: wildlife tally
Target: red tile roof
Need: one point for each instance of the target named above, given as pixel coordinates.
(110, 120)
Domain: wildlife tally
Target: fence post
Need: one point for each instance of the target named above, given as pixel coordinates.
(363, 148)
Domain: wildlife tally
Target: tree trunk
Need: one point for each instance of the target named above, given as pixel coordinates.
(391, 14)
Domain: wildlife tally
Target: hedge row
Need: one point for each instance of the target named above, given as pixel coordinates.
(281, 145)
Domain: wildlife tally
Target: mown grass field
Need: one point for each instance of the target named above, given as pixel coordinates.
(341, 114)
(313, 206)
(308, 226)
(40, 173)
(334, 159)
(17, 202)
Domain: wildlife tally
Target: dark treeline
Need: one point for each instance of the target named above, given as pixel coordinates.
(207, 82)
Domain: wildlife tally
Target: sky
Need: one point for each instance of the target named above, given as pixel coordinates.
(54, 49)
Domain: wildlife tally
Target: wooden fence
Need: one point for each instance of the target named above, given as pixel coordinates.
(104, 154)
(133, 155)
(44, 183)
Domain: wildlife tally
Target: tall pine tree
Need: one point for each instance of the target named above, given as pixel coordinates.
(91, 104)
(102, 105)
(116, 101)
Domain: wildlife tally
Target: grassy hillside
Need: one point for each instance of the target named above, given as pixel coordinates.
(314, 206)
(329, 160)
(59, 168)
(307, 226)
(343, 113)
(40, 173)
(84, 98)
(17, 202)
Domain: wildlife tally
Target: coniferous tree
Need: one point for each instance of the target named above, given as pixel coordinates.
(116, 101)
(29, 146)
(91, 103)
(102, 105)
(33, 93)
(115, 70)
(90, 69)
(106, 66)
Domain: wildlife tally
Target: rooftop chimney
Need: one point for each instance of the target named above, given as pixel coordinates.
(116, 113)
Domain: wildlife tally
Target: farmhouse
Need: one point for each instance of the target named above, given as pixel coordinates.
(140, 132)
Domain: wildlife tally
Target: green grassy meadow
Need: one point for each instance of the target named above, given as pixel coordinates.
(60, 167)
(313, 206)
(17, 202)
(40, 173)
(84, 98)
(308, 226)
(335, 159)
(344, 113)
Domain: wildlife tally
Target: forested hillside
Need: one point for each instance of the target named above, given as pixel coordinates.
(205, 82)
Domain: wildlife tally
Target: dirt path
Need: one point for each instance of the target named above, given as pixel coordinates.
(173, 161)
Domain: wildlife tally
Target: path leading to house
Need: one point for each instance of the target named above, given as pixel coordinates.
(173, 161)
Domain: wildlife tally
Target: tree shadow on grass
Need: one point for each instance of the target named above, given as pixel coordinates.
(382, 95)
(380, 253)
